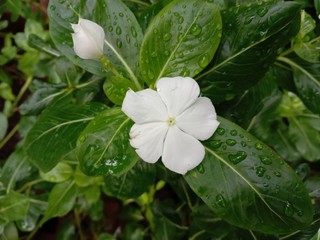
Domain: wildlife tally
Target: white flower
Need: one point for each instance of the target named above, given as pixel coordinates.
(169, 122)
(88, 39)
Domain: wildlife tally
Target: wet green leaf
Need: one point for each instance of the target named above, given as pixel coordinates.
(251, 38)
(13, 206)
(181, 40)
(60, 173)
(54, 134)
(246, 183)
(3, 125)
(132, 183)
(103, 146)
(61, 199)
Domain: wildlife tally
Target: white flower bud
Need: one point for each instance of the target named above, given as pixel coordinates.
(88, 39)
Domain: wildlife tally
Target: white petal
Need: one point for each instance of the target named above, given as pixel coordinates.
(178, 93)
(148, 139)
(181, 151)
(199, 120)
(88, 39)
(144, 106)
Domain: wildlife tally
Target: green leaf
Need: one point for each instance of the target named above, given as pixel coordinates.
(181, 40)
(59, 173)
(61, 200)
(38, 43)
(54, 134)
(103, 147)
(16, 168)
(123, 33)
(3, 125)
(13, 206)
(248, 185)
(116, 88)
(131, 184)
(251, 38)
(307, 81)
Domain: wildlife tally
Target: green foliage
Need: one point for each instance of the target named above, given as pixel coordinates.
(65, 142)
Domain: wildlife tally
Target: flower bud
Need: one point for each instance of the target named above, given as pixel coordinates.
(88, 39)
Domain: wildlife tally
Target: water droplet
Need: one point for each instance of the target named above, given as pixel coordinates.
(196, 30)
(119, 43)
(133, 32)
(216, 144)
(62, 1)
(53, 7)
(260, 171)
(262, 11)
(221, 131)
(277, 174)
(265, 185)
(243, 144)
(248, 19)
(82, 138)
(155, 31)
(288, 209)
(221, 201)
(110, 28)
(118, 30)
(204, 61)
(180, 20)
(300, 213)
(121, 14)
(167, 37)
(238, 157)
(258, 146)
(231, 142)
(166, 52)
(233, 132)
(265, 160)
(179, 27)
(200, 168)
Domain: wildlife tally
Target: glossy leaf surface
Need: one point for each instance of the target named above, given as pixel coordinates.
(123, 38)
(103, 147)
(181, 40)
(247, 184)
(251, 38)
(61, 199)
(56, 131)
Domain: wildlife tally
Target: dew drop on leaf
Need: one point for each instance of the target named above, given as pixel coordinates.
(277, 174)
(82, 138)
(216, 144)
(167, 37)
(243, 144)
(233, 132)
(62, 1)
(154, 54)
(118, 30)
(200, 169)
(238, 157)
(260, 171)
(180, 20)
(262, 11)
(221, 131)
(258, 146)
(121, 14)
(119, 43)
(265, 160)
(53, 7)
(133, 32)
(288, 209)
(221, 201)
(231, 142)
(196, 30)
(204, 61)
(248, 19)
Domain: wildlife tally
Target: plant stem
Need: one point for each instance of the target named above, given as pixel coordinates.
(22, 91)
(9, 136)
(108, 65)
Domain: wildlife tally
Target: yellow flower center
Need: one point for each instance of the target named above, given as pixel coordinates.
(171, 121)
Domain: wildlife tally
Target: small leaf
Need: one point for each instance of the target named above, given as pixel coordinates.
(59, 173)
(131, 184)
(307, 81)
(61, 200)
(245, 183)
(3, 125)
(181, 40)
(251, 38)
(103, 146)
(13, 206)
(54, 134)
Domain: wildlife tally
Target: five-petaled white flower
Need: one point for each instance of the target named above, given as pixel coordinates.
(88, 39)
(169, 122)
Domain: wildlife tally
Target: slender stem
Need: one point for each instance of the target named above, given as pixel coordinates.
(78, 224)
(108, 65)
(22, 91)
(35, 230)
(9, 136)
(29, 184)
